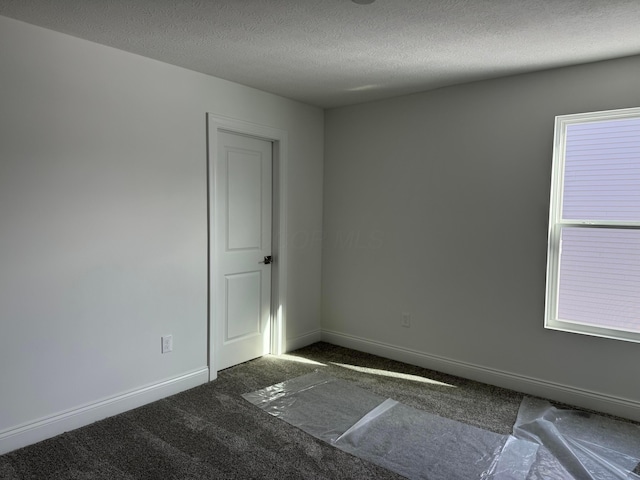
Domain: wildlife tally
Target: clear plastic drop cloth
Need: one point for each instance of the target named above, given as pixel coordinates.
(403, 439)
(547, 443)
(578, 445)
(420, 445)
(316, 403)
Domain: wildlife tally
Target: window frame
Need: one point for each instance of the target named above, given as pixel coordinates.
(557, 223)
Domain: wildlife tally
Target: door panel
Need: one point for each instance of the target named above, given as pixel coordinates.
(243, 296)
(242, 239)
(244, 200)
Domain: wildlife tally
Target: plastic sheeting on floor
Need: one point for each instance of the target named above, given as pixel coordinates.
(547, 443)
(408, 441)
(578, 445)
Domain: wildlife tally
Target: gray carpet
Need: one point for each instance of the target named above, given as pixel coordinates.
(211, 432)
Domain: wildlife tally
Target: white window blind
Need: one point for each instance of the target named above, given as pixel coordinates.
(593, 274)
(600, 277)
(602, 171)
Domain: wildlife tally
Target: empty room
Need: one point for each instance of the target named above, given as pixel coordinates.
(319, 239)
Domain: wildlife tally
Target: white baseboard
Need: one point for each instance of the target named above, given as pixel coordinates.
(303, 340)
(27, 434)
(621, 407)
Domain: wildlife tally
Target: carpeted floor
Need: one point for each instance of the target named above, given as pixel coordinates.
(211, 432)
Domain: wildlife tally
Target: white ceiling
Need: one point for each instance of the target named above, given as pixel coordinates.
(334, 52)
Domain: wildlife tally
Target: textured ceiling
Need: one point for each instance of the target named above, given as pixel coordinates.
(335, 52)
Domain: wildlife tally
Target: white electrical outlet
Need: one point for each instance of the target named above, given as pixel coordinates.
(406, 319)
(167, 343)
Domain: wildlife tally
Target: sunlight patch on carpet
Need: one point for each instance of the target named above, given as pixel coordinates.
(390, 374)
(293, 358)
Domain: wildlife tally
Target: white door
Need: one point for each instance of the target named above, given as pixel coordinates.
(242, 280)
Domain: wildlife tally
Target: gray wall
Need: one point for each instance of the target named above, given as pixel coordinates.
(437, 204)
(103, 218)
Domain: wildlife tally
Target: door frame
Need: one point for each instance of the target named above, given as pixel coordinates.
(279, 140)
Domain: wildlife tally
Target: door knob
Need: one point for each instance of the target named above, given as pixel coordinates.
(267, 260)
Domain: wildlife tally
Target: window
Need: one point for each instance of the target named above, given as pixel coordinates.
(593, 267)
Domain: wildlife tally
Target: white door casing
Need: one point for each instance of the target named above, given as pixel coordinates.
(246, 317)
